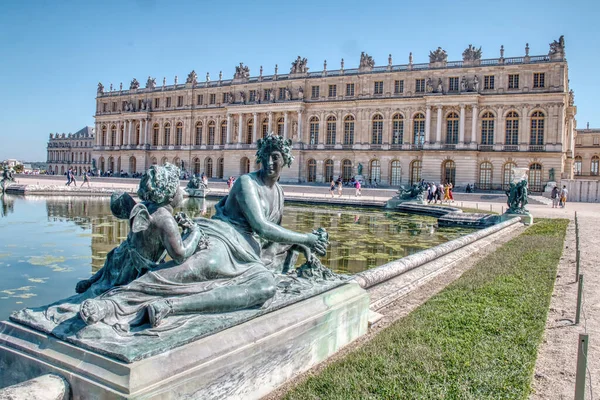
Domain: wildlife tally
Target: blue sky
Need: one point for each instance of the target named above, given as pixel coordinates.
(54, 53)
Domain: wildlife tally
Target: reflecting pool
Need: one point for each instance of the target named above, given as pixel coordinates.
(47, 244)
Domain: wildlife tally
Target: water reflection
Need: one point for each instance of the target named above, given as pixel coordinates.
(50, 243)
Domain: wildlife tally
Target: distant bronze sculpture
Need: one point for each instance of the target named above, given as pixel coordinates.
(7, 178)
(517, 197)
(415, 192)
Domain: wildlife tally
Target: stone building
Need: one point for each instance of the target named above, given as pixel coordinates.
(587, 154)
(465, 121)
(71, 150)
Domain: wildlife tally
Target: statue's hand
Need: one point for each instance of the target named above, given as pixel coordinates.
(317, 244)
(184, 221)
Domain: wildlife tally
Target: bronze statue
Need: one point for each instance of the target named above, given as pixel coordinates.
(7, 177)
(517, 197)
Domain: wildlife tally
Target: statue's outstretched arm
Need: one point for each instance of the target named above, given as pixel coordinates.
(177, 248)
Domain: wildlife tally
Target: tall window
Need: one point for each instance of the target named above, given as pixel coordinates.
(211, 135)
(311, 173)
(452, 128)
(415, 171)
(377, 130)
(507, 174)
(512, 128)
(249, 131)
(375, 171)
(267, 94)
(577, 166)
(200, 99)
(453, 84)
(198, 141)
(244, 165)
(332, 91)
(281, 93)
(331, 128)
(513, 81)
(538, 79)
(349, 89)
(220, 168)
(155, 133)
(179, 101)
(280, 126)
(136, 139)
(535, 177)
(420, 85)
(168, 100)
(419, 129)
(537, 128)
(314, 131)
(485, 175)
(314, 92)
(397, 129)
(167, 134)
(349, 130)
(265, 128)
(103, 137)
(121, 134)
(179, 134)
(132, 165)
(399, 86)
(378, 89)
(487, 128)
(223, 133)
(488, 82)
(395, 173)
(156, 103)
(347, 170)
(196, 166)
(594, 165)
(208, 166)
(252, 96)
(213, 98)
(113, 135)
(449, 172)
(328, 170)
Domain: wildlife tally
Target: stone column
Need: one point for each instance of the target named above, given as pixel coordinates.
(461, 125)
(438, 127)
(240, 127)
(285, 125)
(427, 123)
(474, 125)
(254, 127)
(228, 139)
(97, 126)
(270, 122)
(130, 123)
(300, 135)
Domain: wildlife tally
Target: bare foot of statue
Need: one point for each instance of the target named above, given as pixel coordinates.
(92, 311)
(157, 311)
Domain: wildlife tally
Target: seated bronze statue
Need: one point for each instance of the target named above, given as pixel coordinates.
(226, 263)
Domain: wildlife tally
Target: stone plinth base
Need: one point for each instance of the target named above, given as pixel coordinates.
(197, 192)
(395, 201)
(526, 219)
(246, 361)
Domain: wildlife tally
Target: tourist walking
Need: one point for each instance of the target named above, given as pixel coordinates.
(440, 193)
(68, 177)
(73, 180)
(357, 186)
(555, 196)
(563, 196)
(86, 179)
(332, 187)
(446, 193)
(450, 187)
(339, 185)
(431, 191)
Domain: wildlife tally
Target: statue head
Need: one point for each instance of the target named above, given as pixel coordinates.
(160, 185)
(273, 143)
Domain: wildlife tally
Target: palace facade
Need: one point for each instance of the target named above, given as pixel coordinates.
(466, 121)
(587, 154)
(71, 150)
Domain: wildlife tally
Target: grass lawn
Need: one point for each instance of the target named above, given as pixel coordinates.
(477, 339)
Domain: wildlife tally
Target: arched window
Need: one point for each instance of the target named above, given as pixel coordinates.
(103, 137)
(487, 129)
(179, 134)
(113, 135)
(223, 133)
(512, 129)
(535, 177)
(485, 175)
(220, 168)
(167, 134)
(349, 130)
(328, 170)
(594, 166)
(198, 139)
(346, 170)
(208, 167)
(577, 166)
(132, 165)
(153, 161)
(419, 129)
(452, 129)
(415, 171)
(244, 165)
(211, 135)
(119, 164)
(111, 164)
(375, 171)
(314, 131)
(377, 130)
(249, 131)
(155, 130)
(397, 129)
(164, 160)
(507, 174)
(280, 126)
(331, 127)
(395, 173)
(537, 128)
(265, 128)
(102, 165)
(137, 140)
(311, 173)
(196, 166)
(449, 172)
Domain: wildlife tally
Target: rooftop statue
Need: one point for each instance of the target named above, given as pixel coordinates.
(366, 61)
(151, 83)
(192, 78)
(100, 88)
(134, 84)
(299, 66)
(439, 55)
(571, 98)
(241, 72)
(471, 53)
(558, 46)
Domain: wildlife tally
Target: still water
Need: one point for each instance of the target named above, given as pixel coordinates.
(47, 244)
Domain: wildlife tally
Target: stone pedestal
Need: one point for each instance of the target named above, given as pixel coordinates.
(526, 219)
(246, 361)
(197, 192)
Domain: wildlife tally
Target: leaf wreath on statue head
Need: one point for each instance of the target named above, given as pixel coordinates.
(273, 143)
